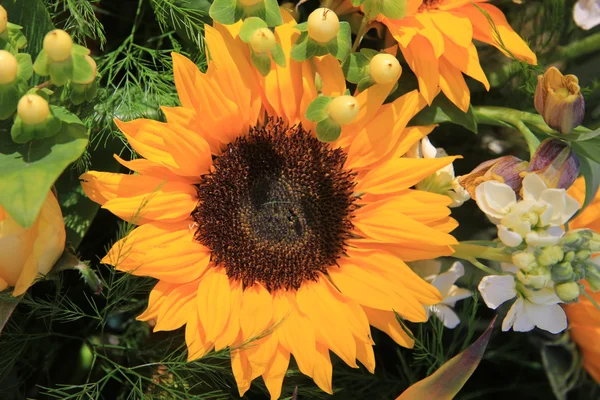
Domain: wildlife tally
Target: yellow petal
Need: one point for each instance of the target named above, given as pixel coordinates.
(386, 322)
(213, 299)
(256, 312)
(421, 59)
(323, 370)
(453, 85)
(273, 375)
(364, 354)
(232, 328)
(157, 297)
(176, 308)
(242, 371)
(195, 338)
(455, 26)
(431, 33)
(466, 60)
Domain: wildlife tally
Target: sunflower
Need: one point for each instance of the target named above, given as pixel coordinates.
(264, 239)
(583, 316)
(436, 39)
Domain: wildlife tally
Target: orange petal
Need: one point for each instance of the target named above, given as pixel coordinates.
(323, 370)
(232, 328)
(466, 59)
(256, 312)
(147, 167)
(364, 354)
(334, 82)
(195, 338)
(421, 59)
(157, 297)
(431, 32)
(177, 307)
(273, 375)
(453, 85)
(386, 322)
(213, 299)
(455, 26)
(242, 371)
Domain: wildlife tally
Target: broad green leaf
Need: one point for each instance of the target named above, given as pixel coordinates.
(83, 72)
(443, 110)
(9, 98)
(278, 56)
(303, 27)
(318, 110)
(591, 173)
(262, 62)
(29, 170)
(372, 8)
(61, 73)
(328, 130)
(79, 50)
(272, 13)
(355, 67)
(40, 66)
(25, 66)
(365, 83)
(589, 149)
(304, 48)
(33, 16)
(344, 41)
(369, 53)
(7, 306)
(224, 11)
(78, 210)
(447, 381)
(357, 3)
(394, 9)
(249, 26)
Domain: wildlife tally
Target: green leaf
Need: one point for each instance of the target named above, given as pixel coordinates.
(588, 149)
(318, 110)
(328, 130)
(61, 72)
(278, 56)
(344, 41)
(7, 306)
(29, 170)
(395, 9)
(591, 173)
(9, 98)
(33, 16)
(355, 67)
(372, 8)
(79, 50)
(224, 11)
(41, 64)
(68, 260)
(357, 3)
(249, 26)
(25, 66)
(272, 13)
(365, 83)
(368, 53)
(447, 381)
(83, 72)
(561, 362)
(303, 27)
(443, 110)
(262, 62)
(304, 48)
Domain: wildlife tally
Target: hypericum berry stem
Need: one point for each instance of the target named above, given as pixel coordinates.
(58, 45)
(262, 40)
(8, 67)
(323, 25)
(33, 109)
(385, 68)
(343, 109)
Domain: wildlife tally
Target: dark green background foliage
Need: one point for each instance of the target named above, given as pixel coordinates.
(65, 342)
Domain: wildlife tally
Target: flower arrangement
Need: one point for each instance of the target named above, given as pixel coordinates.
(244, 199)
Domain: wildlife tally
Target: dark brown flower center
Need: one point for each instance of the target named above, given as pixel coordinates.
(276, 209)
(429, 5)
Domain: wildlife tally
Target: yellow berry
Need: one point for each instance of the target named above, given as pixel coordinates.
(248, 3)
(323, 25)
(262, 40)
(3, 19)
(385, 68)
(33, 109)
(8, 67)
(343, 109)
(58, 45)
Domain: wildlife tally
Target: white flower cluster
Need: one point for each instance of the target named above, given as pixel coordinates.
(443, 181)
(534, 225)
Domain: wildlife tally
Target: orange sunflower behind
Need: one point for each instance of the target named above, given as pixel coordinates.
(583, 316)
(436, 40)
(263, 239)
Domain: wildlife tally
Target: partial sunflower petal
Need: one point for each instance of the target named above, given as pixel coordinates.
(178, 305)
(213, 300)
(256, 311)
(421, 59)
(453, 85)
(273, 375)
(386, 322)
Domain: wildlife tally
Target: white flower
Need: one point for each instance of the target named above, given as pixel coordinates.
(536, 218)
(532, 308)
(444, 282)
(443, 181)
(586, 13)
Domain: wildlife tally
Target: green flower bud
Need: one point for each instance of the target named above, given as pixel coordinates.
(570, 256)
(583, 255)
(559, 100)
(592, 276)
(536, 278)
(550, 255)
(562, 272)
(568, 291)
(577, 238)
(524, 260)
(594, 244)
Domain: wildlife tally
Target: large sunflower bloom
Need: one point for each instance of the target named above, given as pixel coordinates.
(583, 316)
(263, 239)
(436, 39)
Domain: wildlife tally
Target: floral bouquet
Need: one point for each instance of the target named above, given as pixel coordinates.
(314, 199)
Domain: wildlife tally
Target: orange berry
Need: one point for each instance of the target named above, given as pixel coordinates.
(344, 109)
(33, 109)
(385, 68)
(58, 45)
(323, 25)
(8, 67)
(262, 40)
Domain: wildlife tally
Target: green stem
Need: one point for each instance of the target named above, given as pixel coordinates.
(591, 299)
(361, 33)
(468, 251)
(482, 267)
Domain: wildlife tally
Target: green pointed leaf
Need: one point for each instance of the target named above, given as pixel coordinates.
(272, 13)
(61, 72)
(588, 149)
(79, 50)
(372, 8)
(29, 170)
(25, 66)
(9, 98)
(318, 110)
(278, 56)
(303, 27)
(369, 53)
(443, 110)
(83, 72)
(395, 9)
(591, 173)
(344, 41)
(262, 62)
(304, 48)
(447, 381)
(224, 11)
(365, 83)
(355, 67)
(249, 26)
(41, 64)
(328, 130)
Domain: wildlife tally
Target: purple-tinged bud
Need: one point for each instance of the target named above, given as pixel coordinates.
(559, 101)
(505, 169)
(556, 163)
